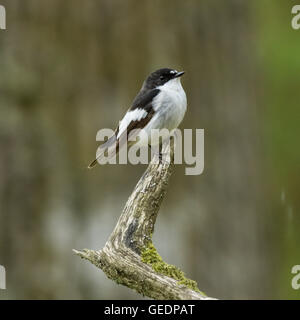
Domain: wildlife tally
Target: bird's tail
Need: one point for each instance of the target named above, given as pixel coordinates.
(110, 147)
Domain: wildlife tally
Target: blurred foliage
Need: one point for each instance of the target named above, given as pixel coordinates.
(69, 68)
(279, 49)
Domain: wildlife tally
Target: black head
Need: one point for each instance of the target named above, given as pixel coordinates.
(160, 77)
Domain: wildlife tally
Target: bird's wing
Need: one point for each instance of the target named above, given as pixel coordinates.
(137, 117)
(140, 112)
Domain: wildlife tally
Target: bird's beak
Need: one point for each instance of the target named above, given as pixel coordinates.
(179, 74)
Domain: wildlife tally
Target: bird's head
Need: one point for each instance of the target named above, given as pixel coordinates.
(161, 76)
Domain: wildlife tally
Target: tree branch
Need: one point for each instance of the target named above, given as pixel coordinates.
(129, 257)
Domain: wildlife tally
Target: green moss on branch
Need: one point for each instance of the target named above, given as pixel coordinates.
(150, 256)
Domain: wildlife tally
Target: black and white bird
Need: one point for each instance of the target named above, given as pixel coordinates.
(160, 104)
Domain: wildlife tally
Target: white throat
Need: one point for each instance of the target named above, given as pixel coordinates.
(173, 84)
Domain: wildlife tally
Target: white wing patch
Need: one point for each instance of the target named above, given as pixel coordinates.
(133, 115)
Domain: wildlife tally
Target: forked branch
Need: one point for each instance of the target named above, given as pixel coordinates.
(129, 257)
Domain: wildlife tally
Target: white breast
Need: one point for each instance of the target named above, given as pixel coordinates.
(170, 105)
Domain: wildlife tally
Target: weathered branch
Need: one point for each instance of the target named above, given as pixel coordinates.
(129, 257)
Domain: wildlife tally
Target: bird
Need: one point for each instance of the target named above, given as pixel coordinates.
(160, 104)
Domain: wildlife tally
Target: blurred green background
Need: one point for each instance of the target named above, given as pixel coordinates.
(69, 68)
